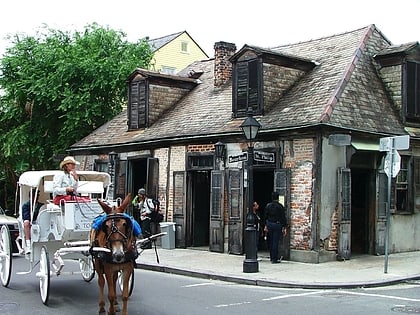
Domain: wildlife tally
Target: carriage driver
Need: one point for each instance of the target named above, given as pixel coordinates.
(65, 183)
(26, 217)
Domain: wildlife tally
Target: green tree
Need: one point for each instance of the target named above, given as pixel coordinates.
(57, 87)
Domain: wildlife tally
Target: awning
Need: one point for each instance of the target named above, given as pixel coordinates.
(365, 145)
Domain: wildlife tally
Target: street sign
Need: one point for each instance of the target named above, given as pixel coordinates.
(264, 156)
(238, 158)
(400, 143)
(396, 162)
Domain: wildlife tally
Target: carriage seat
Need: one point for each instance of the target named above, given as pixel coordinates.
(48, 224)
(83, 187)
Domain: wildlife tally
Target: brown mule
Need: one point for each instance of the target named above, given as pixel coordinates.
(115, 234)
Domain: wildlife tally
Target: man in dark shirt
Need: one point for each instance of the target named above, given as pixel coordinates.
(275, 225)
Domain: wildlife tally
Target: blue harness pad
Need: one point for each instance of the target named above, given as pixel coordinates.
(98, 221)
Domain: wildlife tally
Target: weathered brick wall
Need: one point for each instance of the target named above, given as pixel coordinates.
(222, 66)
(392, 79)
(200, 148)
(333, 240)
(162, 155)
(176, 156)
(298, 156)
(277, 80)
(161, 99)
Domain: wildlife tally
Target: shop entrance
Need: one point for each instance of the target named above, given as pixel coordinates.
(198, 209)
(263, 187)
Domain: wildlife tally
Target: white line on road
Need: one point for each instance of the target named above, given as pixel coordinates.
(292, 295)
(381, 296)
(197, 285)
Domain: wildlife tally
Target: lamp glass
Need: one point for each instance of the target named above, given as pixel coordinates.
(250, 128)
(219, 150)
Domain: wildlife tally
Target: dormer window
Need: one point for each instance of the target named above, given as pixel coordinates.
(260, 77)
(137, 105)
(247, 81)
(412, 91)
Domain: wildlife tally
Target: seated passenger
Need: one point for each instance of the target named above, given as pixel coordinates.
(65, 184)
(26, 217)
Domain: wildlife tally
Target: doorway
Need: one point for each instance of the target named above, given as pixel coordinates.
(360, 192)
(263, 187)
(198, 213)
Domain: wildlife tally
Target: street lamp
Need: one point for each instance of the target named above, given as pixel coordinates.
(250, 128)
(220, 151)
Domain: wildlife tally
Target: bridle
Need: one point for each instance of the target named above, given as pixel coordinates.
(114, 228)
(124, 236)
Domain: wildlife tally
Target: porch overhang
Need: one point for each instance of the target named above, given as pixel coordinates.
(363, 145)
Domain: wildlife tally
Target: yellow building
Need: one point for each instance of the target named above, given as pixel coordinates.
(174, 52)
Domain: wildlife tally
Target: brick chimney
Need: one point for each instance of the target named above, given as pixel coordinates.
(222, 66)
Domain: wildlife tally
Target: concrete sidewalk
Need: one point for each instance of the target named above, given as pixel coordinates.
(360, 271)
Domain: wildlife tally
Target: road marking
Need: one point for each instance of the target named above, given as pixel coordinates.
(197, 285)
(232, 304)
(292, 295)
(381, 296)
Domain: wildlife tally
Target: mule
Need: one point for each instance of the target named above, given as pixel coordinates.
(116, 234)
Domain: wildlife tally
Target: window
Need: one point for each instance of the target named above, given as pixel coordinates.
(401, 186)
(412, 92)
(185, 47)
(247, 87)
(168, 70)
(406, 186)
(101, 165)
(200, 161)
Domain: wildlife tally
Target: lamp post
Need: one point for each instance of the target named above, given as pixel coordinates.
(112, 158)
(250, 128)
(220, 150)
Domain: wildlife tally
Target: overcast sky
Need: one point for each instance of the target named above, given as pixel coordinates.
(261, 23)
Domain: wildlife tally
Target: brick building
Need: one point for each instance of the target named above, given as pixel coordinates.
(324, 106)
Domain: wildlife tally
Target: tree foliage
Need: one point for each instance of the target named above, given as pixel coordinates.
(57, 87)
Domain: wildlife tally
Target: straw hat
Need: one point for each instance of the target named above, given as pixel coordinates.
(68, 160)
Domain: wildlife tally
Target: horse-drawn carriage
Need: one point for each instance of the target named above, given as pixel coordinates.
(59, 232)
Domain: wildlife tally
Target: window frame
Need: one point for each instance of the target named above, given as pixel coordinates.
(184, 47)
(247, 87)
(405, 187)
(412, 91)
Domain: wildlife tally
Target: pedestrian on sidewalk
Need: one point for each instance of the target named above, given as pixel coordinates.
(257, 225)
(275, 225)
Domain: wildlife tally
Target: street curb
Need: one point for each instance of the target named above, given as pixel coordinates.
(278, 284)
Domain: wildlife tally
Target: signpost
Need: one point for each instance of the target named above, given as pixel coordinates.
(391, 168)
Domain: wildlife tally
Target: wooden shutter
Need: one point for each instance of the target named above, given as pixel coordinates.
(344, 213)
(153, 177)
(241, 87)
(179, 208)
(413, 90)
(236, 211)
(216, 211)
(137, 114)
(253, 79)
(282, 186)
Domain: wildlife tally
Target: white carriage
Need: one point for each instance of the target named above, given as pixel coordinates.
(62, 230)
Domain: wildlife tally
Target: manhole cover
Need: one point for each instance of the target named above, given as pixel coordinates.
(406, 309)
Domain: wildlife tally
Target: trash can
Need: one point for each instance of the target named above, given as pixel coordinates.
(168, 240)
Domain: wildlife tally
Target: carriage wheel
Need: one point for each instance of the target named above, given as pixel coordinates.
(44, 275)
(87, 269)
(5, 256)
(130, 282)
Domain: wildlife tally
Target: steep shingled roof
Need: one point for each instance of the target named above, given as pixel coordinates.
(157, 43)
(343, 90)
